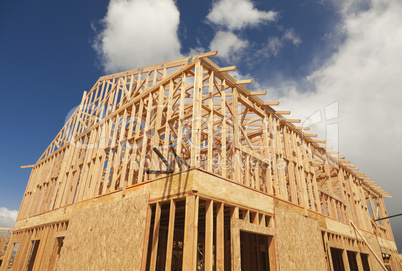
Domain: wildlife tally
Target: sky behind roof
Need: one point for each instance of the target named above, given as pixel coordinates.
(333, 63)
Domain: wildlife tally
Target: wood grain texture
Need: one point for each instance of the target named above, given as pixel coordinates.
(108, 237)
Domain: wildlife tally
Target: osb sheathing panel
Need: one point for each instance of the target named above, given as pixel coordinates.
(108, 237)
(338, 227)
(387, 243)
(298, 242)
(372, 241)
(208, 184)
(172, 185)
(65, 213)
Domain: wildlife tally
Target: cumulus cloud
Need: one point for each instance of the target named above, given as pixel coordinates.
(291, 36)
(275, 44)
(137, 33)
(228, 45)
(238, 14)
(364, 77)
(7, 217)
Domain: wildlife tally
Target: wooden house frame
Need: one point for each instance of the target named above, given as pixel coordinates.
(179, 166)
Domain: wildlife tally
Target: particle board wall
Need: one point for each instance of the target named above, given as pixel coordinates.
(299, 243)
(108, 237)
(373, 242)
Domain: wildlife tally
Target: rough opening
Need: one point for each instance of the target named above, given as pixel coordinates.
(56, 252)
(352, 261)
(32, 255)
(337, 261)
(175, 259)
(254, 251)
(386, 258)
(10, 263)
(365, 262)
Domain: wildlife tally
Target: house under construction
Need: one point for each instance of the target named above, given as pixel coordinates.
(178, 166)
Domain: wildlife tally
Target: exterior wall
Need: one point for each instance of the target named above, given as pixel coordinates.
(120, 232)
(298, 240)
(108, 237)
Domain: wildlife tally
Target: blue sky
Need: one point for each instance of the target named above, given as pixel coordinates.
(307, 54)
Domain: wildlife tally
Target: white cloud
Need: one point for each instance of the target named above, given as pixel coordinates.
(7, 217)
(238, 14)
(275, 44)
(138, 33)
(364, 76)
(228, 45)
(196, 51)
(291, 36)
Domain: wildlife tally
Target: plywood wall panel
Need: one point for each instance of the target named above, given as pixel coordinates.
(108, 237)
(299, 242)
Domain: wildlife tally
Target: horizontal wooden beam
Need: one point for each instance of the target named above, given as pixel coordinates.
(255, 93)
(292, 120)
(325, 147)
(343, 161)
(282, 112)
(302, 128)
(310, 135)
(243, 82)
(333, 152)
(28, 166)
(339, 156)
(5, 229)
(318, 140)
(228, 69)
(270, 103)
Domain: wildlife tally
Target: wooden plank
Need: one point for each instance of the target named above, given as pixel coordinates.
(28, 166)
(369, 247)
(210, 121)
(235, 239)
(267, 156)
(237, 176)
(290, 165)
(224, 132)
(146, 130)
(242, 82)
(196, 121)
(270, 103)
(256, 93)
(209, 234)
(155, 237)
(181, 124)
(169, 250)
(282, 112)
(228, 69)
(220, 246)
(146, 239)
(190, 233)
